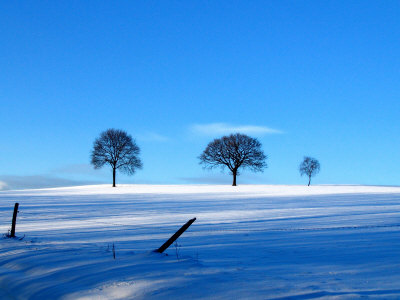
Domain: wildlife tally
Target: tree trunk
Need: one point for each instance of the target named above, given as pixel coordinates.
(309, 180)
(114, 177)
(234, 172)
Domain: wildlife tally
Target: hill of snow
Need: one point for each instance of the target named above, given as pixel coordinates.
(248, 242)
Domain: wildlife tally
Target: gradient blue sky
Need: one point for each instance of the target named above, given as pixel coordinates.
(318, 78)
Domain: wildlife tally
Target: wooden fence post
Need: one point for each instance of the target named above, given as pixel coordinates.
(175, 236)
(14, 220)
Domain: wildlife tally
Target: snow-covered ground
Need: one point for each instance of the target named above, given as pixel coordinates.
(249, 242)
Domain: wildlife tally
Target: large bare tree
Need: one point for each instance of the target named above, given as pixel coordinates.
(310, 167)
(234, 151)
(117, 149)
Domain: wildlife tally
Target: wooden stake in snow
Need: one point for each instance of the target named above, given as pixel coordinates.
(175, 236)
(14, 220)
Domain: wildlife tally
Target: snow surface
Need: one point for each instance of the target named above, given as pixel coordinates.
(248, 242)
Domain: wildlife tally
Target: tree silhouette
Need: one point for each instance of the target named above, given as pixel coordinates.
(234, 151)
(117, 149)
(310, 167)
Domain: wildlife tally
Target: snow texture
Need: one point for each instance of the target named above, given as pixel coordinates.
(248, 242)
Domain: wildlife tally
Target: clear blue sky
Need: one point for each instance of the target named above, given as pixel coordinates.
(318, 78)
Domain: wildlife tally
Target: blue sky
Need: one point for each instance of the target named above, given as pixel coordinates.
(318, 78)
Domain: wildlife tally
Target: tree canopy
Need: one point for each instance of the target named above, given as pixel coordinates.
(310, 167)
(234, 151)
(117, 149)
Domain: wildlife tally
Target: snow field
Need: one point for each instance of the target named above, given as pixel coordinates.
(248, 242)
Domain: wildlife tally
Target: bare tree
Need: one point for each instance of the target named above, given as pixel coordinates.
(234, 151)
(310, 167)
(117, 149)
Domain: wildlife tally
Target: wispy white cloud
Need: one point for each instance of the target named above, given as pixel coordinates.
(77, 169)
(9, 182)
(82, 170)
(152, 137)
(3, 185)
(225, 128)
(217, 178)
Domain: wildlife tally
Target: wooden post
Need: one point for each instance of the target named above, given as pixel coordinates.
(175, 236)
(14, 220)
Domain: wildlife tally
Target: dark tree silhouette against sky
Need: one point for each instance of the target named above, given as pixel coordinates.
(234, 151)
(117, 149)
(310, 167)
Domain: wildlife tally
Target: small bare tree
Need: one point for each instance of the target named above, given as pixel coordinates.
(234, 151)
(117, 149)
(310, 167)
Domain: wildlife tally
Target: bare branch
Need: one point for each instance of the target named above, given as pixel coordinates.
(234, 151)
(310, 167)
(118, 149)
